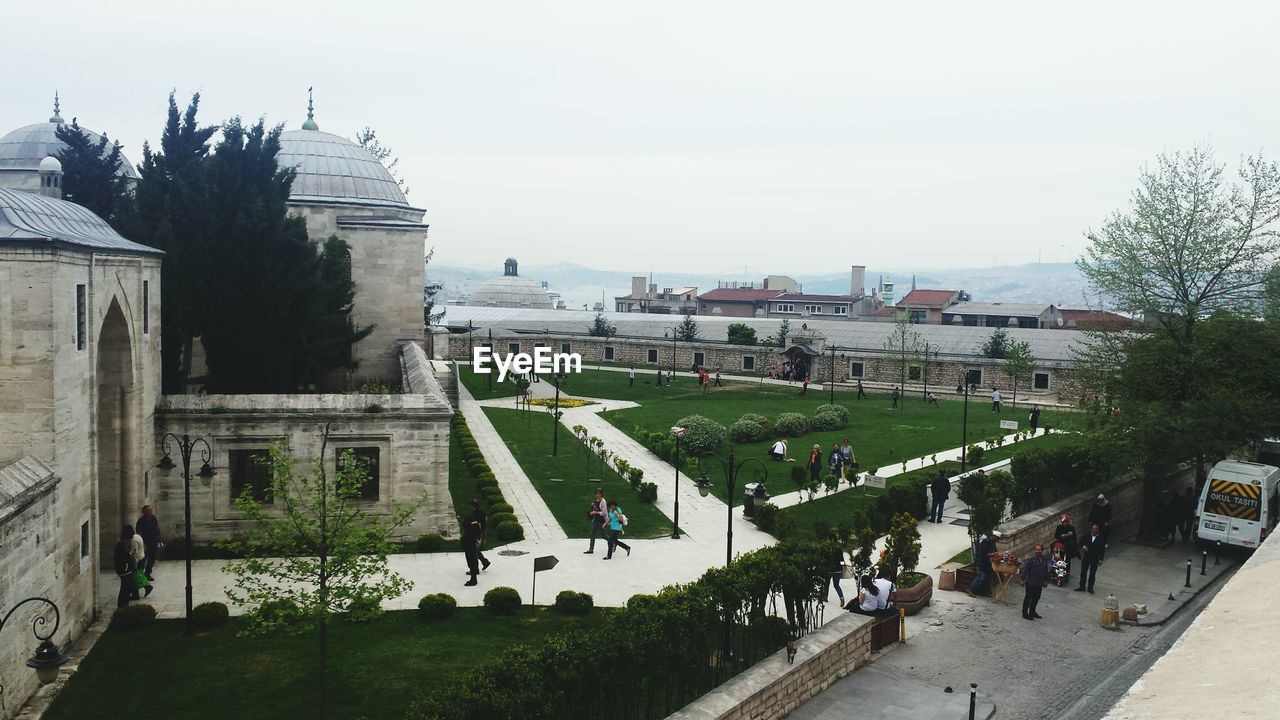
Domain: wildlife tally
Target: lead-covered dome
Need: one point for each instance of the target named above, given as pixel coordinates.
(23, 149)
(511, 290)
(333, 169)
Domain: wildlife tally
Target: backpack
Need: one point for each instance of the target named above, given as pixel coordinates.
(622, 518)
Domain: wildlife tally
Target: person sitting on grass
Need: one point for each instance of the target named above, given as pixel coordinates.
(779, 450)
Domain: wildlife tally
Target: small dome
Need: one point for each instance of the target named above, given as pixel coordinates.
(51, 164)
(511, 291)
(28, 146)
(333, 169)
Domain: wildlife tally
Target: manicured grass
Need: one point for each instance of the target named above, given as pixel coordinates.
(376, 669)
(880, 434)
(562, 481)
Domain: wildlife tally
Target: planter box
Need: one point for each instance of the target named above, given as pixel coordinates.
(912, 599)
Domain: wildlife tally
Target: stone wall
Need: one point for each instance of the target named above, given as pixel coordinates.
(773, 687)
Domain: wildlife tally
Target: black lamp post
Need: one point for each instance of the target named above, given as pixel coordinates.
(555, 417)
(673, 354)
(488, 375)
(185, 446)
(679, 433)
(48, 657)
(731, 469)
(831, 374)
(964, 440)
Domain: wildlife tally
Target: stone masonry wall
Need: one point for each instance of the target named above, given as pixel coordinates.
(774, 687)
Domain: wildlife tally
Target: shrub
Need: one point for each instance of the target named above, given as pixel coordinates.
(745, 431)
(474, 457)
(902, 546)
(431, 542)
(502, 601)
(831, 483)
(798, 476)
(133, 617)
(436, 606)
(279, 612)
(766, 516)
(501, 507)
(571, 602)
(908, 497)
(496, 519)
(510, 531)
(771, 630)
(702, 435)
(492, 495)
(209, 615)
(784, 526)
(363, 609)
(791, 425)
(648, 492)
(821, 529)
(973, 456)
(634, 476)
(839, 410)
(764, 422)
(826, 421)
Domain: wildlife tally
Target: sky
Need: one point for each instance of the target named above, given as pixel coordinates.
(697, 136)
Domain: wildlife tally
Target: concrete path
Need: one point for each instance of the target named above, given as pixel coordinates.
(876, 693)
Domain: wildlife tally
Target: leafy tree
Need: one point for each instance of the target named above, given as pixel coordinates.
(780, 338)
(904, 343)
(687, 330)
(1019, 363)
(741, 334)
(91, 172)
(600, 327)
(996, 346)
(311, 547)
(368, 139)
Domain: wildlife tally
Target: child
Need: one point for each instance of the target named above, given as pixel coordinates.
(1058, 568)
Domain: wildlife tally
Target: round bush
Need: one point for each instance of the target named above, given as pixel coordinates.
(703, 435)
(484, 480)
(840, 410)
(133, 617)
(766, 516)
(209, 615)
(745, 431)
(571, 602)
(827, 421)
(501, 507)
(474, 458)
(791, 425)
(432, 542)
(282, 612)
(496, 519)
(648, 492)
(436, 606)
(510, 531)
(502, 601)
(760, 420)
(469, 446)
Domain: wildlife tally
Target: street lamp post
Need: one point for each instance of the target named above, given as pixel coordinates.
(679, 433)
(831, 374)
(555, 418)
(48, 657)
(731, 470)
(488, 376)
(964, 439)
(185, 446)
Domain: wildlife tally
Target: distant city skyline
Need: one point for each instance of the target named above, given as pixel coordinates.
(934, 135)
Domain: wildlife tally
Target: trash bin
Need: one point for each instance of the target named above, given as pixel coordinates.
(752, 493)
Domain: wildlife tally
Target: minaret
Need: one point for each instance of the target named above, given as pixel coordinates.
(51, 177)
(310, 123)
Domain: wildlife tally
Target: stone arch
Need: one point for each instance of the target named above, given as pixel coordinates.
(116, 429)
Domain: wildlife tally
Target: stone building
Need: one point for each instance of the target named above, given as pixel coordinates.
(509, 290)
(647, 299)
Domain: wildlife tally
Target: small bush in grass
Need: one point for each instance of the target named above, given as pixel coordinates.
(279, 612)
(571, 602)
(784, 527)
(502, 601)
(791, 425)
(634, 476)
(840, 410)
(436, 606)
(510, 531)
(209, 615)
(648, 492)
(821, 529)
(501, 507)
(702, 435)
(825, 422)
(766, 516)
(432, 542)
(133, 617)
(474, 457)
(497, 519)
(765, 423)
(745, 431)
(798, 476)
(486, 479)
(492, 495)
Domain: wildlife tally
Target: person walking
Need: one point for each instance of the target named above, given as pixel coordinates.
(862, 392)
(471, 549)
(1034, 418)
(706, 382)
(847, 461)
(1093, 550)
(124, 566)
(138, 552)
(836, 567)
(659, 378)
(1066, 534)
(1100, 513)
(982, 563)
(815, 463)
(932, 399)
(894, 395)
(477, 516)
(149, 528)
(718, 379)
(835, 461)
(1033, 575)
(805, 387)
(631, 377)
(598, 514)
(1187, 514)
(617, 521)
(995, 399)
(940, 486)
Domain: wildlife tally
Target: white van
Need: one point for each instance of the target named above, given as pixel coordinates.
(1239, 504)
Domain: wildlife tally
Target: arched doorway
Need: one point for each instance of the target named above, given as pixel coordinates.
(116, 430)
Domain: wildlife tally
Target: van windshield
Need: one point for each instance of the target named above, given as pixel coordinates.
(1240, 500)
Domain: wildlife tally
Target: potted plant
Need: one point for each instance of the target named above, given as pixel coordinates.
(902, 554)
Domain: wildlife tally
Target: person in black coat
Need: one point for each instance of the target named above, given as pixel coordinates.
(477, 516)
(149, 528)
(1187, 504)
(471, 549)
(124, 565)
(1066, 534)
(1100, 513)
(940, 486)
(1093, 550)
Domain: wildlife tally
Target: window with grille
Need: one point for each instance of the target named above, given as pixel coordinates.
(366, 458)
(250, 470)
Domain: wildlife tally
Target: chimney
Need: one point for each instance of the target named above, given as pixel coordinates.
(858, 281)
(637, 286)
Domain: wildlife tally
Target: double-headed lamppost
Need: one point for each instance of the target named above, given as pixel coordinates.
(731, 469)
(48, 657)
(185, 446)
(678, 432)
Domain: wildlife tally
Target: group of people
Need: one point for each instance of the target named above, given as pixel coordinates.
(840, 462)
(875, 592)
(1177, 515)
(607, 520)
(135, 557)
(797, 371)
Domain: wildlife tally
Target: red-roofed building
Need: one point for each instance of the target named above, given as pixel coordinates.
(1087, 319)
(925, 306)
(736, 302)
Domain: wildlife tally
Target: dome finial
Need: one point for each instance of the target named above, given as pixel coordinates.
(310, 124)
(56, 108)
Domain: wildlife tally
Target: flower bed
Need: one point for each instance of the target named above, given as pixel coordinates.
(564, 402)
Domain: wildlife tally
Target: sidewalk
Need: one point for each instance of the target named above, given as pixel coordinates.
(876, 693)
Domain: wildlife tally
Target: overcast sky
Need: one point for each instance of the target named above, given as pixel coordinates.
(797, 137)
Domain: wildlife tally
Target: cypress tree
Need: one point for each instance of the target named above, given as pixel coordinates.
(91, 172)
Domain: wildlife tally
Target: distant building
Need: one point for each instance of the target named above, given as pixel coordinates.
(925, 307)
(510, 290)
(671, 301)
(736, 302)
(830, 307)
(1083, 318)
(994, 314)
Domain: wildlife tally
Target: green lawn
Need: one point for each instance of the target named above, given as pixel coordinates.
(562, 481)
(880, 434)
(839, 507)
(376, 669)
(593, 383)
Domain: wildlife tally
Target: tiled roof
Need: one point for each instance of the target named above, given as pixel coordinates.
(739, 294)
(928, 298)
(805, 297)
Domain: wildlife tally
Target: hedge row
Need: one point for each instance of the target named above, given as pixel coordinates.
(502, 521)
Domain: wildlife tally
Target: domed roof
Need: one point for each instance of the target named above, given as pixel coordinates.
(24, 148)
(332, 169)
(510, 291)
(50, 164)
(32, 217)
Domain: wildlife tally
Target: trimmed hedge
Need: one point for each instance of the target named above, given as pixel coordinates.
(648, 492)
(496, 519)
(486, 487)
(702, 435)
(760, 420)
(510, 531)
(209, 615)
(432, 542)
(282, 611)
(502, 601)
(571, 602)
(841, 411)
(791, 425)
(436, 606)
(133, 617)
(745, 431)
(501, 507)
(825, 421)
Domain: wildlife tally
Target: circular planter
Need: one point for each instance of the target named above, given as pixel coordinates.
(913, 598)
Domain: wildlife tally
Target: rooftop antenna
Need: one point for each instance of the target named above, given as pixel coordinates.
(310, 124)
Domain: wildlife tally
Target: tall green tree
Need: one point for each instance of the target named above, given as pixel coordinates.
(91, 172)
(997, 345)
(687, 330)
(600, 327)
(312, 548)
(741, 334)
(1019, 364)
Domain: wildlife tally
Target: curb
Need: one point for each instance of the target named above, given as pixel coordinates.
(1184, 603)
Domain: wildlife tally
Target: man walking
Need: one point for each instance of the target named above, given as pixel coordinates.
(477, 516)
(631, 377)
(847, 462)
(1093, 548)
(940, 486)
(718, 379)
(149, 528)
(471, 549)
(995, 399)
(862, 392)
(1100, 513)
(804, 388)
(895, 395)
(1035, 418)
(1033, 575)
(982, 563)
(598, 513)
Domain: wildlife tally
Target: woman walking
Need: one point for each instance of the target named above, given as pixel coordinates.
(836, 568)
(616, 522)
(815, 464)
(124, 566)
